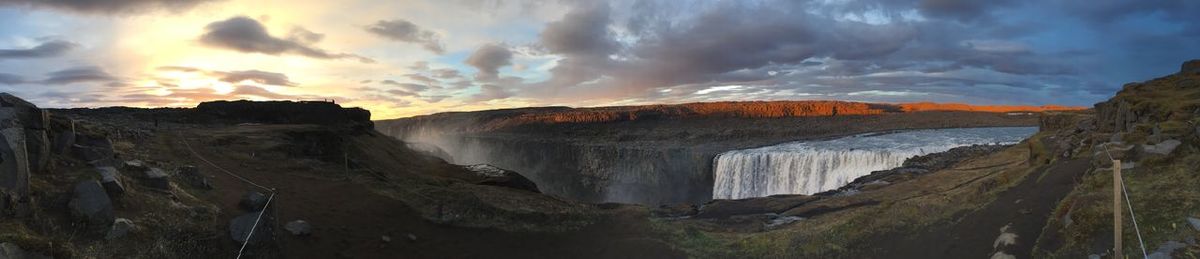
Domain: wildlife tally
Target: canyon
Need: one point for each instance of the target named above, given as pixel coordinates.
(663, 154)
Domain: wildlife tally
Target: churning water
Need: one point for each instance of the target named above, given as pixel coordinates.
(816, 166)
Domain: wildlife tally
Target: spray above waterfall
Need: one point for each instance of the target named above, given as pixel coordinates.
(816, 166)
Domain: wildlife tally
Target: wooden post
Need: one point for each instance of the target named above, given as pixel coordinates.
(1117, 226)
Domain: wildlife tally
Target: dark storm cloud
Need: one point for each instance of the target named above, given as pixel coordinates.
(11, 79)
(78, 75)
(47, 49)
(489, 58)
(405, 31)
(582, 37)
(248, 35)
(109, 6)
(257, 76)
(963, 10)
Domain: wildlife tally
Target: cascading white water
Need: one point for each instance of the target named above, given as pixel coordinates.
(817, 166)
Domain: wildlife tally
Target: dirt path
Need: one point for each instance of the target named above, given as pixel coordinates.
(1009, 225)
(349, 220)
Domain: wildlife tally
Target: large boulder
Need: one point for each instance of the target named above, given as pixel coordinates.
(1160, 149)
(35, 122)
(110, 179)
(241, 226)
(96, 150)
(91, 204)
(253, 201)
(157, 178)
(496, 176)
(14, 157)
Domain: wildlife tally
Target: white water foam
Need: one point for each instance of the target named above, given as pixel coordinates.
(817, 166)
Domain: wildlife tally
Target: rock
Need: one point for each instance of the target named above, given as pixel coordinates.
(63, 141)
(90, 204)
(192, 176)
(299, 228)
(253, 201)
(120, 228)
(111, 182)
(1166, 249)
(678, 210)
(12, 251)
(94, 150)
(780, 221)
(286, 112)
(771, 204)
(241, 226)
(411, 237)
(1194, 222)
(135, 165)
(33, 122)
(1190, 67)
(157, 179)
(1164, 148)
(496, 176)
(386, 239)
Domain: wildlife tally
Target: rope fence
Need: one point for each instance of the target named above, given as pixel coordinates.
(1129, 204)
(243, 179)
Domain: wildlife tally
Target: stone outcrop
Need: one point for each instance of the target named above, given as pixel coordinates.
(284, 112)
(496, 176)
(1190, 67)
(90, 204)
(24, 148)
(12, 251)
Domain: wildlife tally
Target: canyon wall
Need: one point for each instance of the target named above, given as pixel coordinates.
(657, 154)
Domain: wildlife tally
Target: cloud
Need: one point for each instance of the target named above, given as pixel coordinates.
(962, 10)
(47, 49)
(404, 31)
(109, 6)
(248, 35)
(249, 90)
(11, 79)
(445, 73)
(489, 58)
(421, 78)
(78, 75)
(257, 76)
(490, 92)
(410, 87)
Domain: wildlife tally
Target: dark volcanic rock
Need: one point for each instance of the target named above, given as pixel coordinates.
(500, 177)
(253, 201)
(95, 150)
(109, 178)
(1191, 66)
(157, 179)
(91, 204)
(915, 166)
(286, 112)
(762, 205)
(240, 229)
(193, 177)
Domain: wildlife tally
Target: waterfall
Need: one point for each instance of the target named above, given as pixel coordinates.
(816, 166)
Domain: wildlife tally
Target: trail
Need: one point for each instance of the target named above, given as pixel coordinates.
(1009, 225)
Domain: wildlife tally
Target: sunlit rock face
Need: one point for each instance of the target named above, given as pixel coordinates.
(816, 166)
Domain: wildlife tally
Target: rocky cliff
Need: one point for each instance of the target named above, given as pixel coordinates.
(660, 154)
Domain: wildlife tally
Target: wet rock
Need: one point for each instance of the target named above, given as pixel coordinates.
(90, 204)
(192, 176)
(109, 178)
(253, 201)
(1164, 148)
(496, 176)
(240, 229)
(299, 228)
(120, 228)
(12, 251)
(157, 179)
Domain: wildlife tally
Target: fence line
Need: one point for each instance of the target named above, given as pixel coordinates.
(1128, 202)
(243, 179)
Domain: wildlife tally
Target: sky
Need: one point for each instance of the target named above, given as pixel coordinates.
(413, 57)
